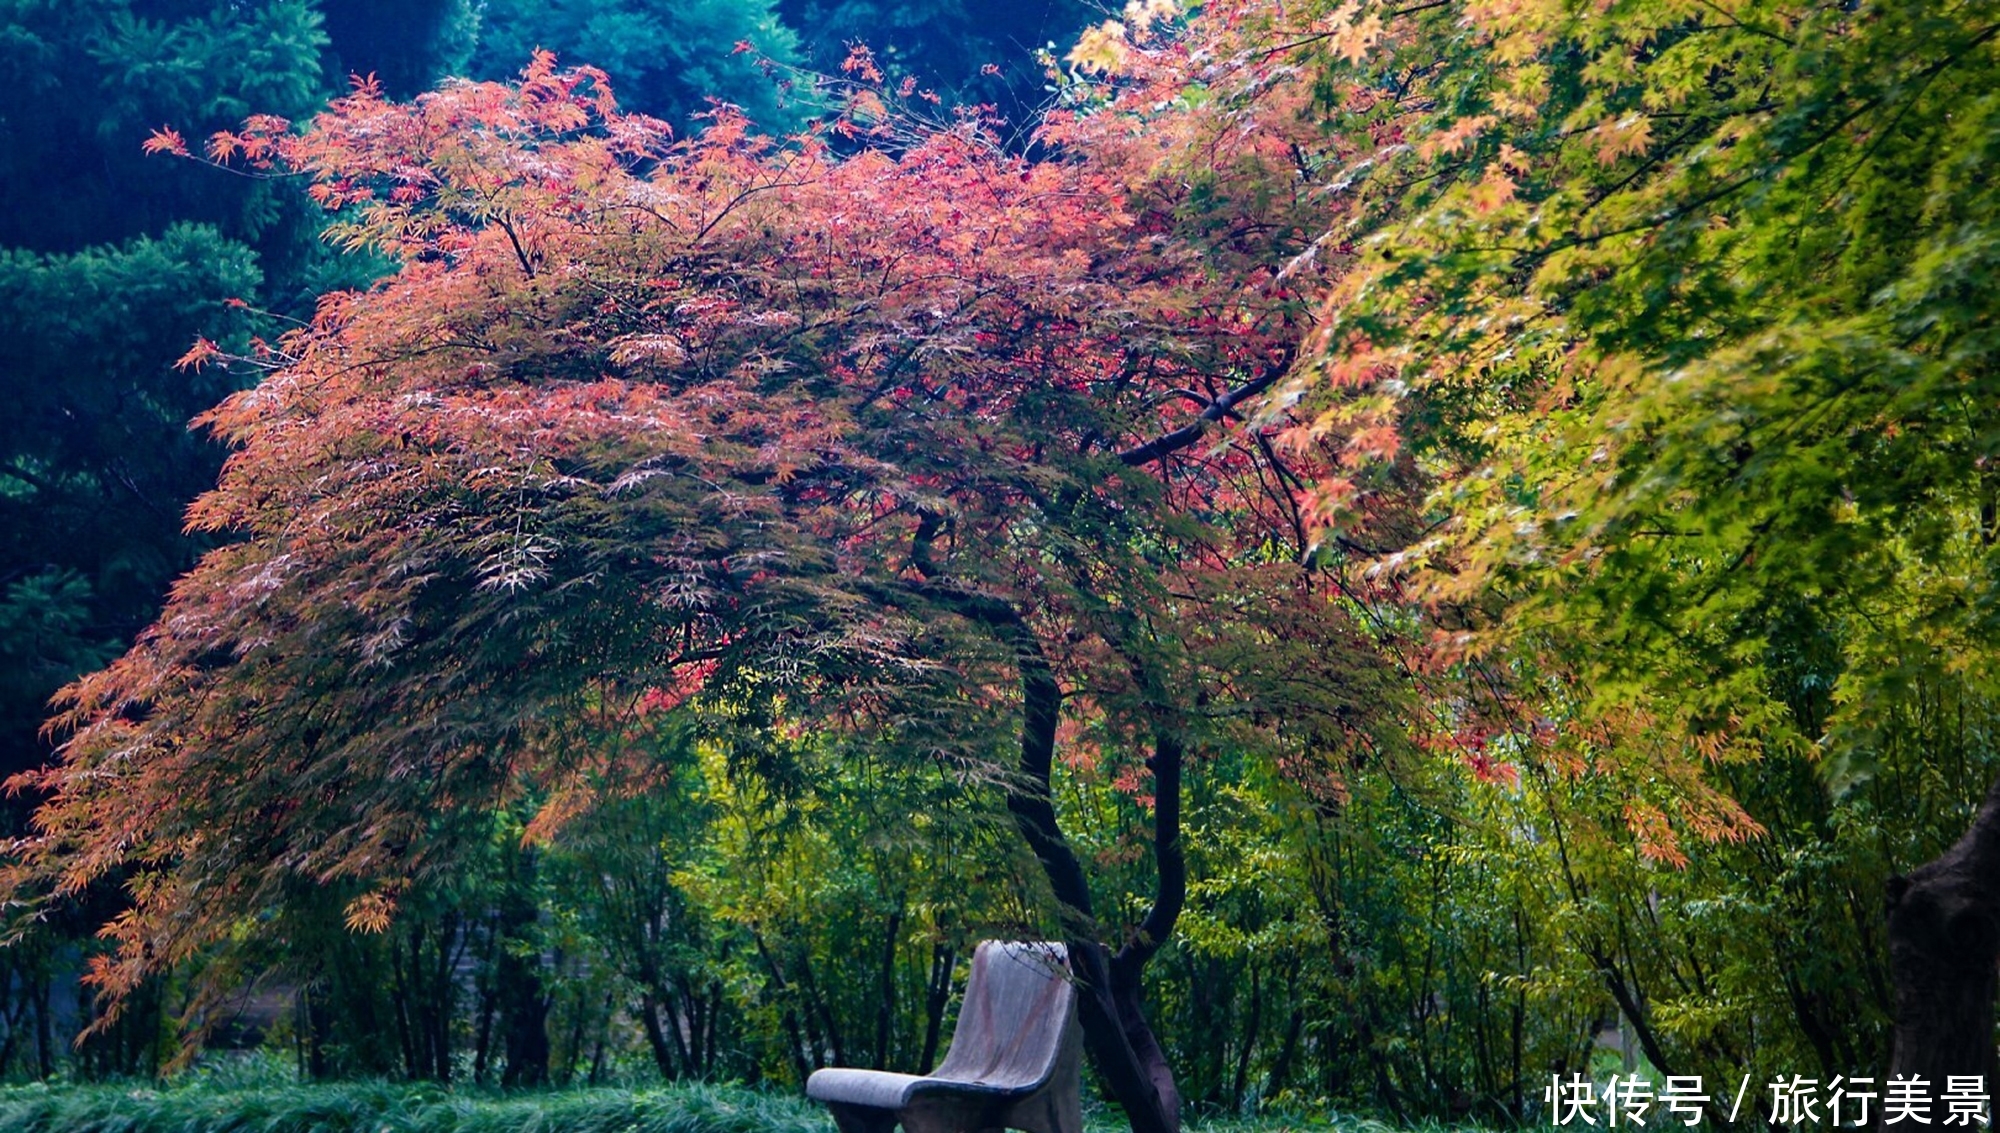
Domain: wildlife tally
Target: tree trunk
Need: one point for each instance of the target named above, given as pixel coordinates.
(444, 992)
(1251, 1026)
(598, 1051)
(45, 1058)
(685, 1015)
(487, 985)
(1110, 1005)
(401, 1001)
(656, 1038)
(885, 999)
(1110, 1002)
(1944, 942)
(1121, 1043)
(1129, 999)
(523, 998)
(1280, 1074)
(937, 993)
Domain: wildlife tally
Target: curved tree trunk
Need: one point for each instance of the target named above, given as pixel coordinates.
(1944, 944)
(1110, 1001)
(1110, 1005)
(1120, 1041)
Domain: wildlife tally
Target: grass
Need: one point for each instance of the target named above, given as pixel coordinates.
(229, 1103)
(381, 1107)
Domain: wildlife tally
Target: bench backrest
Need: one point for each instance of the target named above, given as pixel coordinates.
(1015, 1017)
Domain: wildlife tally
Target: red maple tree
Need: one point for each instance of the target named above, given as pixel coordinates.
(885, 420)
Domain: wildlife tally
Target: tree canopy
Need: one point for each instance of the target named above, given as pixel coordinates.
(807, 439)
(1467, 518)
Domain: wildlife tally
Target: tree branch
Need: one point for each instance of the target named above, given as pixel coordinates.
(1168, 443)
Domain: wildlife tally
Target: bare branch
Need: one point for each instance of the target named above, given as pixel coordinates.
(1168, 443)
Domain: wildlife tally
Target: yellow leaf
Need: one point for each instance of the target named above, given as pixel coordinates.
(1101, 48)
(371, 912)
(1629, 134)
(1456, 136)
(1493, 191)
(1352, 43)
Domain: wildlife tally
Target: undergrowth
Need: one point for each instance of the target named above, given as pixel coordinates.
(234, 1103)
(382, 1107)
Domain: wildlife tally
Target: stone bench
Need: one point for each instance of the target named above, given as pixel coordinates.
(1015, 1059)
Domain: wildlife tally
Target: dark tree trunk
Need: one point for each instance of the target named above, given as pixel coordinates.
(1632, 1005)
(816, 1004)
(45, 1057)
(684, 1020)
(319, 1025)
(937, 992)
(1116, 1034)
(1110, 1001)
(523, 998)
(444, 993)
(656, 1038)
(579, 1025)
(1120, 1043)
(710, 1018)
(797, 1046)
(598, 1051)
(401, 1000)
(487, 985)
(1250, 1028)
(1281, 1066)
(1129, 999)
(482, 1044)
(1944, 942)
(803, 1040)
(885, 999)
(524, 1018)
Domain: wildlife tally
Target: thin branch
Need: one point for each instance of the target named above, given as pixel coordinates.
(1169, 443)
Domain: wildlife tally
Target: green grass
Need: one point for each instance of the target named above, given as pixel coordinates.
(379, 1107)
(226, 1103)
